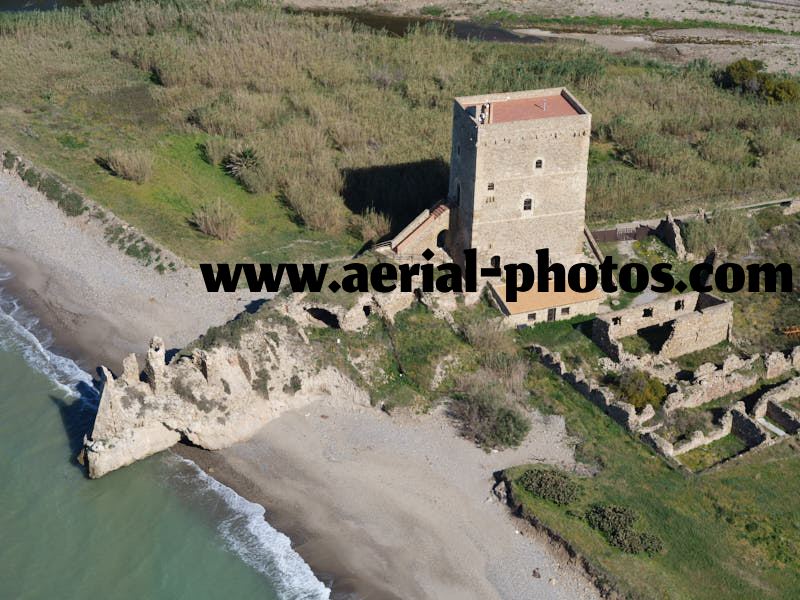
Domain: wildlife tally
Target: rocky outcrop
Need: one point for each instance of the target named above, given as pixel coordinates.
(212, 397)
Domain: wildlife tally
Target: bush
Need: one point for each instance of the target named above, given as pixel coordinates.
(72, 204)
(372, 225)
(9, 160)
(216, 220)
(52, 188)
(485, 415)
(133, 165)
(640, 389)
(240, 161)
(555, 486)
(617, 524)
(31, 177)
(749, 77)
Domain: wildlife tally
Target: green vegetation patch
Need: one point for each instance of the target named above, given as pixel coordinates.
(552, 485)
(745, 510)
(713, 453)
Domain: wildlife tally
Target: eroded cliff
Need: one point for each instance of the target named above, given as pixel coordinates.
(217, 392)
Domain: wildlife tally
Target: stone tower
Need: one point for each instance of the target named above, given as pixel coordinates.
(518, 176)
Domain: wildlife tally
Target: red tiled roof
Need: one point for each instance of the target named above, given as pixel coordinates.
(526, 109)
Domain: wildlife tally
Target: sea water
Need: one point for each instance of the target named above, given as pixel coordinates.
(158, 529)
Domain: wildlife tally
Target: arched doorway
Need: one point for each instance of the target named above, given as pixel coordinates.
(441, 239)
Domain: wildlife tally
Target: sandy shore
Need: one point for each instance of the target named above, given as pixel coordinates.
(380, 507)
(99, 303)
(400, 505)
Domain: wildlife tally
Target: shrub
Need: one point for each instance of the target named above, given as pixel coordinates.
(52, 188)
(372, 225)
(617, 524)
(9, 160)
(749, 77)
(555, 486)
(31, 177)
(216, 219)
(239, 161)
(485, 415)
(72, 204)
(640, 389)
(133, 165)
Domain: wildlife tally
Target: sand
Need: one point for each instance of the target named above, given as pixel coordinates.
(99, 303)
(379, 506)
(400, 507)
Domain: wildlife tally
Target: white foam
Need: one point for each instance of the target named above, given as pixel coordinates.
(245, 531)
(20, 332)
(249, 535)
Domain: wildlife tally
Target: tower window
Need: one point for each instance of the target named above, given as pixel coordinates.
(527, 204)
(539, 163)
(458, 150)
(490, 186)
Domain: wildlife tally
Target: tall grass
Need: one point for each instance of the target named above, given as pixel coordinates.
(327, 105)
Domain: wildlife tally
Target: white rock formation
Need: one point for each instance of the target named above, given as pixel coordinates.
(213, 398)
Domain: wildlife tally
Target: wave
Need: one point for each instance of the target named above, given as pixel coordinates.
(244, 530)
(249, 535)
(20, 332)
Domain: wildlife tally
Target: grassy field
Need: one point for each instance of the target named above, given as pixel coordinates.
(321, 135)
(731, 533)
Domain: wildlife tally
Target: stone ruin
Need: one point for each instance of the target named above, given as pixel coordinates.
(673, 325)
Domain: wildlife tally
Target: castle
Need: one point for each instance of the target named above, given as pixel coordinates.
(518, 174)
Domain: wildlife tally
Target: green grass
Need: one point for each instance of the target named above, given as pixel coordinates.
(728, 534)
(715, 452)
(715, 354)
(572, 338)
(634, 24)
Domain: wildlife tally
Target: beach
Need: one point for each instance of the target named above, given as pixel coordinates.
(378, 506)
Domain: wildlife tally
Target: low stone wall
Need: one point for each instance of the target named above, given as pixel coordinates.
(771, 405)
(709, 383)
(622, 412)
(699, 438)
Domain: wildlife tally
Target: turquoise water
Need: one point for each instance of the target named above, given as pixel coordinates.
(158, 529)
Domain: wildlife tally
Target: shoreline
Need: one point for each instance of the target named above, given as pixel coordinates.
(408, 513)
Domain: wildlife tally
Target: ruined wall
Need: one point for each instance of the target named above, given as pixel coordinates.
(622, 412)
(697, 321)
(698, 330)
(669, 232)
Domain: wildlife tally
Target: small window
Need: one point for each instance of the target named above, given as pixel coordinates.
(539, 163)
(616, 321)
(527, 204)
(495, 262)
(647, 312)
(490, 187)
(565, 311)
(531, 316)
(679, 305)
(458, 150)
(489, 200)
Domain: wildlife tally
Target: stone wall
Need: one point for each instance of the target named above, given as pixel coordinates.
(669, 232)
(709, 383)
(622, 412)
(696, 321)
